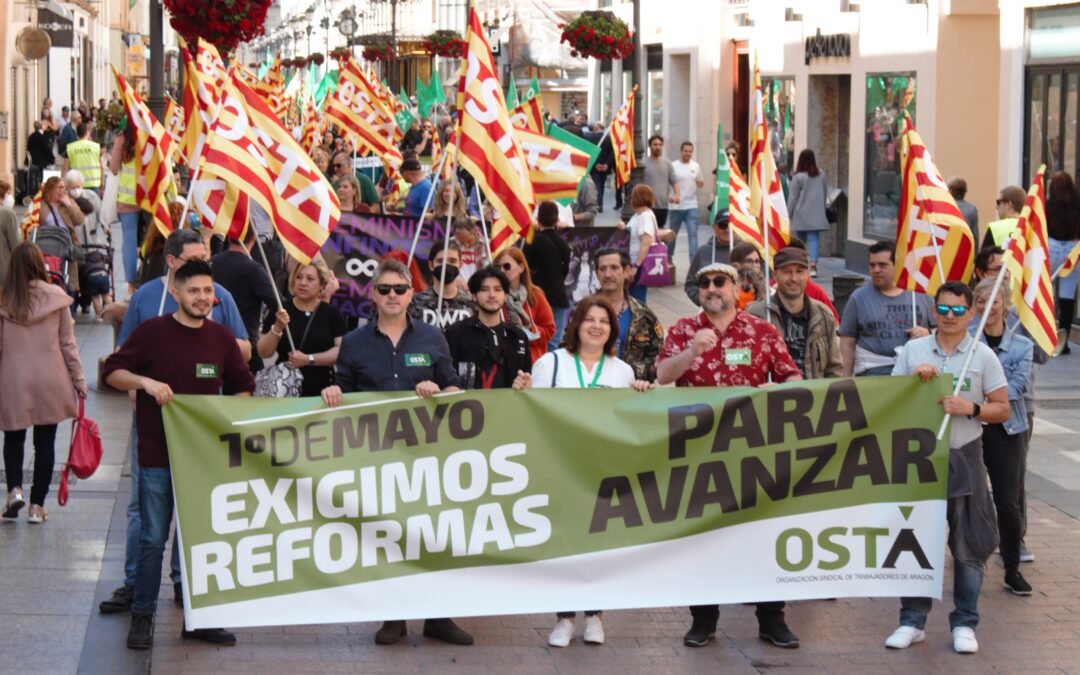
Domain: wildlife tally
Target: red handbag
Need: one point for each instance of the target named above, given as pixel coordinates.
(85, 454)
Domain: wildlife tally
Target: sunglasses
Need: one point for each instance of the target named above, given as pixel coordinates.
(398, 289)
(715, 282)
(1002, 201)
(957, 310)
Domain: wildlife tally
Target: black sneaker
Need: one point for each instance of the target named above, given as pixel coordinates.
(141, 634)
(390, 632)
(178, 594)
(215, 636)
(777, 632)
(1015, 582)
(700, 633)
(119, 602)
(447, 631)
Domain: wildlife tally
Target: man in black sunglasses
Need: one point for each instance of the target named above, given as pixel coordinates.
(983, 398)
(396, 353)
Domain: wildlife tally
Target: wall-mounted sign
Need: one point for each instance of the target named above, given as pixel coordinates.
(33, 43)
(822, 46)
(58, 26)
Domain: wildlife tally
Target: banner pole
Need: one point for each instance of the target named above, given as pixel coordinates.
(270, 273)
(914, 315)
(483, 224)
(423, 212)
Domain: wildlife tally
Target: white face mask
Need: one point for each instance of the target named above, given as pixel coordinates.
(75, 193)
(9, 202)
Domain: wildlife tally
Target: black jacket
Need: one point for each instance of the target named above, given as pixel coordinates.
(40, 149)
(468, 341)
(549, 262)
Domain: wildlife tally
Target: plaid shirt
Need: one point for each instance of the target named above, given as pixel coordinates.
(744, 356)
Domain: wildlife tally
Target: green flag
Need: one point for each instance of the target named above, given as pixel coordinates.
(723, 171)
(559, 134)
(436, 90)
(325, 88)
(424, 98)
(511, 94)
(533, 90)
(404, 116)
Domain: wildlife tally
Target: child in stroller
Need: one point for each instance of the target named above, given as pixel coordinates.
(96, 277)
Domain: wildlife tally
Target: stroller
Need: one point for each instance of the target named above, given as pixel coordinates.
(58, 250)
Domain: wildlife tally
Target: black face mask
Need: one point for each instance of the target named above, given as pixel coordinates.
(451, 273)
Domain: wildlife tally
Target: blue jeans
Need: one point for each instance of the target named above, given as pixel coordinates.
(129, 224)
(134, 525)
(1066, 285)
(967, 579)
(812, 241)
(156, 511)
(600, 180)
(676, 218)
(561, 315)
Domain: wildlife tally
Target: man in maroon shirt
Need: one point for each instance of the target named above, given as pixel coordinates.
(179, 353)
(724, 346)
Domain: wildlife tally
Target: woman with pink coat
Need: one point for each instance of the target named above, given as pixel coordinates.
(40, 374)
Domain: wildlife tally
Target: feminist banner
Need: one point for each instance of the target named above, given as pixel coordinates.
(359, 242)
(504, 502)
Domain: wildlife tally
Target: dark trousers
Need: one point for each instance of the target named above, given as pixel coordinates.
(661, 217)
(571, 615)
(600, 180)
(1023, 476)
(44, 459)
(1003, 455)
(766, 611)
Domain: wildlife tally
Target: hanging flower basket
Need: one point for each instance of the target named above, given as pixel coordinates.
(223, 24)
(446, 43)
(598, 34)
(341, 54)
(317, 58)
(380, 52)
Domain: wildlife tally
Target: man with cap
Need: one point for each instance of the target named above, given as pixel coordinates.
(717, 250)
(808, 326)
(413, 173)
(726, 347)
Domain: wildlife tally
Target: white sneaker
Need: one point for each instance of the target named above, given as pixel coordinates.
(905, 636)
(594, 630)
(562, 633)
(1026, 556)
(963, 640)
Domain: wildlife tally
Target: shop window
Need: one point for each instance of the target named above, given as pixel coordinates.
(887, 96)
(654, 92)
(779, 94)
(1050, 119)
(605, 97)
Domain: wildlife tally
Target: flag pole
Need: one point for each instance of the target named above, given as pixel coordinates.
(270, 274)
(914, 314)
(483, 224)
(423, 212)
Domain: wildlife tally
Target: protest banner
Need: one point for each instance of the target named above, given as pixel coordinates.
(504, 502)
(360, 240)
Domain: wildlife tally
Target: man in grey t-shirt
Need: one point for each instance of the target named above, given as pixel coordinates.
(972, 521)
(660, 177)
(877, 318)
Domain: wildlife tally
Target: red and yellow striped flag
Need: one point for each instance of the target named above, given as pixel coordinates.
(272, 89)
(204, 76)
(766, 193)
(223, 206)
(248, 147)
(1070, 261)
(487, 147)
(740, 218)
(436, 147)
(309, 132)
(932, 237)
(32, 218)
(152, 150)
(1027, 255)
(175, 126)
(357, 109)
(529, 115)
(555, 168)
(622, 140)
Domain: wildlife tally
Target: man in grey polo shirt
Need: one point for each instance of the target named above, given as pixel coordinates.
(972, 521)
(660, 177)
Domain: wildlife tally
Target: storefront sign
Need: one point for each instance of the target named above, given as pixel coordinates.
(824, 46)
(33, 43)
(58, 27)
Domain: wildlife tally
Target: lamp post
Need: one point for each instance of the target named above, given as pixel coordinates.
(309, 15)
(637, 60)
(157, 60)
(392, 64)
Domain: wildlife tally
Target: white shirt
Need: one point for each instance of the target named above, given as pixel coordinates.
(615, 372)
(686, 175)
(641, 223)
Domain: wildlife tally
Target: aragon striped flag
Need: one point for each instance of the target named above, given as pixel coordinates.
(766, 193)
(528, 115)
(272, 88)
(152, 150)
(555, 168)
(223, 206)
(32, 218)
(740, 219)
(487, 148)
(174, 126)
(621, 132)
(356, 109)
(248, 147)
(204, 76)
(1027, 255)
(933, 241)
(1070, 261)
(309, 132)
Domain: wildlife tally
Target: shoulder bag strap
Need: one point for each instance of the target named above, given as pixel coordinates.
(303, 338)
(555, 370)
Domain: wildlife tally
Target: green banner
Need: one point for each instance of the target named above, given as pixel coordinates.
(500, 502)
(512, 94)
(723, 174)
(533, 90)
(555, 131)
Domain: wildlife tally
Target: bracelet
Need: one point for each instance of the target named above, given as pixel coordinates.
(275, 333)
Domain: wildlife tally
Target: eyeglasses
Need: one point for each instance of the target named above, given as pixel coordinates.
(957, 310)
(507, 266)
(716, 282)
(398, 289)
(1002, 201)
(338, 165)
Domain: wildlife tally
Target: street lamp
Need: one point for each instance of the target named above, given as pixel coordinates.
(393, 37)
(637, 174)
(309, 14)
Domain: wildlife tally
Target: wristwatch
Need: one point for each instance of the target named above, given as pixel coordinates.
(975, 413)
(311, 362)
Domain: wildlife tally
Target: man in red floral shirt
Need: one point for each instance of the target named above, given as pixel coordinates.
(726, 347)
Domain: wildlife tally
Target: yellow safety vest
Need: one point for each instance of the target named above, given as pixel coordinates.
(1000, 230)
(125, 194)
(85, 157)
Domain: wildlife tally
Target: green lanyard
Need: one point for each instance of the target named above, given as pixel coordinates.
(599, 368)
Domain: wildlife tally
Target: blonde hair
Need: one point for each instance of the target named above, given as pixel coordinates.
(441, 202)
(321, 270)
